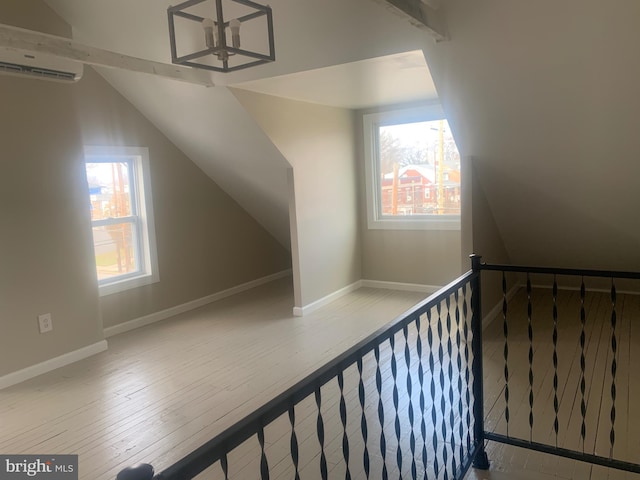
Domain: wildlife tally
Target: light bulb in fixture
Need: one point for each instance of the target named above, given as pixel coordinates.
(234, 25)
(209, 27)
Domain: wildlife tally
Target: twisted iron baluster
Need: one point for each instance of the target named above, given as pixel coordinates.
(454, 466)
(432, 391)
(264, 465)
(343, 419)
(224, 463)
(443, 404)
(320, 431)
(505, 329)
(383, 440)
(459, 371)
(555, 357)
(295, 454)
(467, 373)
(396, 423)
(530, 331)
(423, 423)
(412, 435)
(363, 420)
(614, 366)
(583, 404)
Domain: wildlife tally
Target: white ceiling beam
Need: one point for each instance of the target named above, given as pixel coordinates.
(22, 39)
(424, 14)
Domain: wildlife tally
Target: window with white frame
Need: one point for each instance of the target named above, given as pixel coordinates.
(412, 170)
(121, 217)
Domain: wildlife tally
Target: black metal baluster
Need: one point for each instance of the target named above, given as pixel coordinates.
(454, 466)
(555, 357)
(412, 435)
(432, 391)
(480, 459)
(505, 329)
(396, 399)
(530, 332)
(363, 420)
(423, 423)
(343, 419)
(443, 403)
(264, 465)
(467, 373)
(224, 463)
(614, 366)
(459, 372)
(583, 404)
(295, 453)
(383, 440)
(320, 431)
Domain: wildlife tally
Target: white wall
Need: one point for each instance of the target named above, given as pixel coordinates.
(544, 96)
(318, 142)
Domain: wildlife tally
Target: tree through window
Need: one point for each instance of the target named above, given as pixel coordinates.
(120, 217)
(413, 171)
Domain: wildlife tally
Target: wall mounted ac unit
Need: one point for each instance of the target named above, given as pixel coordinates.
(39, 65)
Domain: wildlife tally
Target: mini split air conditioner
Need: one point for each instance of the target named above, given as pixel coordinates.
(39, 65)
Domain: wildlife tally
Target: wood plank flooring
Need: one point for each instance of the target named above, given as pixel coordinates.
(598, 356)
(162, 390)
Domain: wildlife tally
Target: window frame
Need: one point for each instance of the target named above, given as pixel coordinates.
(141, 218)
(375, 219)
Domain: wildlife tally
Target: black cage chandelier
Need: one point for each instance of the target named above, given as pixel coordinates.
(199, 34)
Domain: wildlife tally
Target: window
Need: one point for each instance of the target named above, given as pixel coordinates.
(121, 217)
(408, 152)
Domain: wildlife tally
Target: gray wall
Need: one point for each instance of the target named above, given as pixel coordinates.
(206, 242)
(318, 142)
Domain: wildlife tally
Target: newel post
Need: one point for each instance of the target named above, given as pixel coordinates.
(141, 471)
(481, 460)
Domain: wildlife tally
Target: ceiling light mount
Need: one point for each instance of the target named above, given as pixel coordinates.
(199, 34)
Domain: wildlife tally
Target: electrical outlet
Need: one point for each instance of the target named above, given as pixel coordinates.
(45, 322)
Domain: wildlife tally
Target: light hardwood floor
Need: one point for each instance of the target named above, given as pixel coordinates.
(162, 390)
(598, 380)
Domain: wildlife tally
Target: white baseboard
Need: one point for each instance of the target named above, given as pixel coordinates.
(408, 287)
(411, 287)
(305, 310)
(20, 376)
(185, 307)
(493, 313)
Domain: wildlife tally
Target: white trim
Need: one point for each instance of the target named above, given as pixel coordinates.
(144, 224)
(313, 306)
(375, 221)
(185, 307)
(33, 371)
(408, 287)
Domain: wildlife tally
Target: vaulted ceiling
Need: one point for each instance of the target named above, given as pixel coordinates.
(541, 95)
(346, 54)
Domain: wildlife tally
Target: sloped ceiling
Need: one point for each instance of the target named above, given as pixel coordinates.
(544, 96)
(210, 126)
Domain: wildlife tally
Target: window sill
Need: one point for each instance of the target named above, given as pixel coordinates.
(415, 224)
(127, 284)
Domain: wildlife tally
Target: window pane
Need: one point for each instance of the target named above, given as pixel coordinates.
(110, 189)
(419, 168)
(115, 250)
